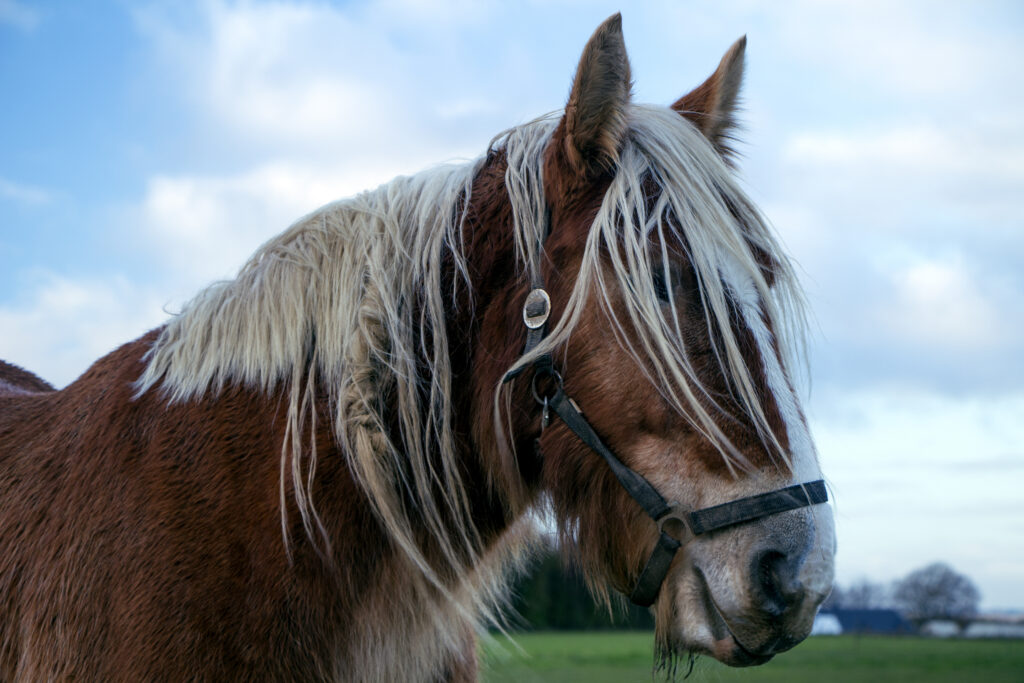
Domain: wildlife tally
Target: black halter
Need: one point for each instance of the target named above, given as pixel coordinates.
(693, 523)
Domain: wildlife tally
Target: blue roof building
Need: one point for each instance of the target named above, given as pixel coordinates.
(871, 621)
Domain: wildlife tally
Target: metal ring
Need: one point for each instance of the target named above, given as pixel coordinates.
(677, 513)
(543, 373)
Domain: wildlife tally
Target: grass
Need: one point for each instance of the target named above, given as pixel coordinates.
(624, 657)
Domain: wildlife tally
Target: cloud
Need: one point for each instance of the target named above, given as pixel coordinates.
(911, 180)
(276, 73)
(18, 15)
(910, 49)
(205, 227)
(268, 71)
(24, 194)
(944, 156)
(941, 304)
(950, 323)
(911, 235)
(63, 325)
(319, 81)
(912, 479)
(314, 102)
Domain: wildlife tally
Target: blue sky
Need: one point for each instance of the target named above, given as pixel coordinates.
(148, 148)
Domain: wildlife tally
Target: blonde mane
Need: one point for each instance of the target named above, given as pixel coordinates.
(702, 206)
(352, 296)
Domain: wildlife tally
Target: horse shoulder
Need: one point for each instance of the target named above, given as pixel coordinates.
(151, 531)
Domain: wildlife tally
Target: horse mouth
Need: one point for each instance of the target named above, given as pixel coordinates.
(726, 647)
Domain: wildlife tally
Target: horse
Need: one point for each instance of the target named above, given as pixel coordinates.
(327, 468)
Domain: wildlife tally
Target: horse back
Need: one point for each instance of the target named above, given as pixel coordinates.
(16, 380)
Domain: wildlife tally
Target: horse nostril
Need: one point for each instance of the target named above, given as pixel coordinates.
(776, 582)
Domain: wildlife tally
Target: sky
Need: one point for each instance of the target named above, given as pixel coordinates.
(147, 149)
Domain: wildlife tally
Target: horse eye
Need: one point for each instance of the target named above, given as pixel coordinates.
(662, 282)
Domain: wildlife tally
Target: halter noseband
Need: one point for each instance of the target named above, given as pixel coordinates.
(536, 310)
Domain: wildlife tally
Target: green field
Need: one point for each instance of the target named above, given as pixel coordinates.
(623, 657)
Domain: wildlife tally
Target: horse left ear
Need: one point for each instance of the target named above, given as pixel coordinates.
(711, 106)
(594, 125)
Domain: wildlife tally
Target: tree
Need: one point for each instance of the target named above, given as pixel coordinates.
(835, 599)
(865, 594)
(938, 592)
(552, 597)
(862, 594)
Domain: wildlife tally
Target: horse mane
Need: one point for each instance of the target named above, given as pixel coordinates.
(353, 296)
(700, 205)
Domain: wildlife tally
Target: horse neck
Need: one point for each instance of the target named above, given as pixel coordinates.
(487, 336)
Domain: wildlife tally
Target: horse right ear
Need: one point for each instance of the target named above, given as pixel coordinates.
(712, 105)
(591, 131)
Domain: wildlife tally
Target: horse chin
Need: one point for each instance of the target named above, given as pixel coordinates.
(726, 649)
(700, 626)
(729, 651)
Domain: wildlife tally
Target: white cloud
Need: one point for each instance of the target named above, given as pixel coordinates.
(205, 227)
(941, 305)
(273, 72)
(19, 16)
(912, 238)
(64, 325)
(916, 477)
(415, 13)
(319, 81)
(911, 49)
(262, 71)
(25, 194)
(968, 155)
(938, 188)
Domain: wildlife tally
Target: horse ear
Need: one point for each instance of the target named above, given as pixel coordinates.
(594, 124)
(712, 105)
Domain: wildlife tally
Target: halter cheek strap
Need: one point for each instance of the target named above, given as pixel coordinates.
(690, 524)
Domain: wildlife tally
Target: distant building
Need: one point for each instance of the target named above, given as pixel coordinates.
(995, 629)
(940, 628)
(881, 621)
(826, 624)
(944, 628)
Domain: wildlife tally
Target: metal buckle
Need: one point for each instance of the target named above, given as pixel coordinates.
(544, 373)
(537, 308)
(674, 524)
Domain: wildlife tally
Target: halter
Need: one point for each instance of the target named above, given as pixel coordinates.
(685, 525)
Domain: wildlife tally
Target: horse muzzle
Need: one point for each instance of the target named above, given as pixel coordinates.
(756, 588)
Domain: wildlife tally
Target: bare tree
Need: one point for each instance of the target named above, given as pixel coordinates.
(938, 592)
(866, 594)
(835, 598)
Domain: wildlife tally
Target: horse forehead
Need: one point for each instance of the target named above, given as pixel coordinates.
(739, 283)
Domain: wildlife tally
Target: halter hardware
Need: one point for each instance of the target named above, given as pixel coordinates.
(677, 513)
(537, 308)
(539, 375)
(667, 517)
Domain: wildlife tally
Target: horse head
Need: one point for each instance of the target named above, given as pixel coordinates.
(674, 325)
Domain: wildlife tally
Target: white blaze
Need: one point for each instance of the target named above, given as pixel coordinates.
(817, 571)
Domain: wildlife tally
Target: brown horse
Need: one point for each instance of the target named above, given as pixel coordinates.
(316, 471)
